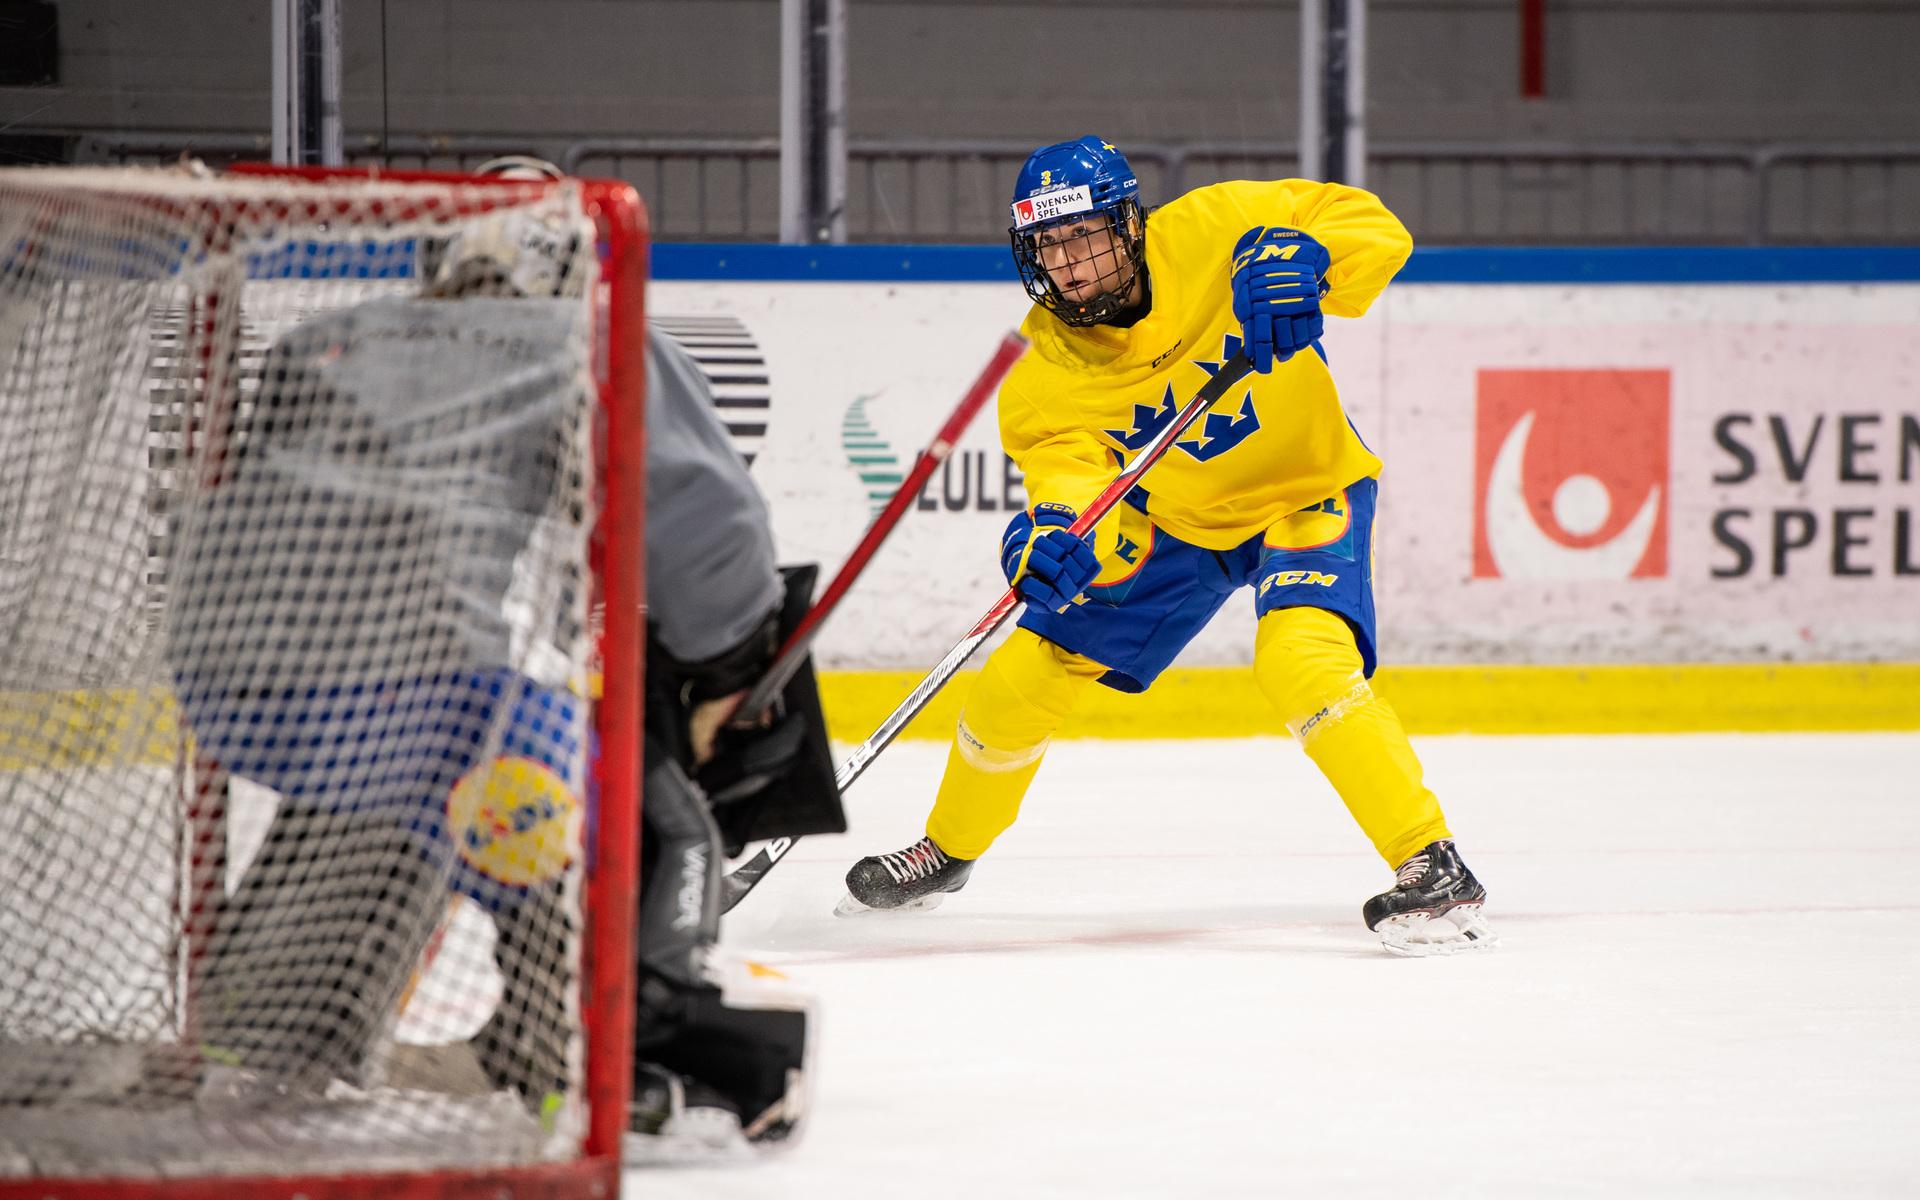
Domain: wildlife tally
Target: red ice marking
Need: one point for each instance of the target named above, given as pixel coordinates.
(1117, 937)
(1152, 937)
(1478, 855)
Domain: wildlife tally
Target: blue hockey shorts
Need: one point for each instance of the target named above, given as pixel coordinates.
(1155, 593)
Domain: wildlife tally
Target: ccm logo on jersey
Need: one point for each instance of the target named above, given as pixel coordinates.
(1045, 207)
(1290, 578)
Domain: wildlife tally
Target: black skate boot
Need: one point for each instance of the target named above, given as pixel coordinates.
(1434, 907)
(913, 879)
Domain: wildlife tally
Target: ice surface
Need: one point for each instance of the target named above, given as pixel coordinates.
(1157, 985)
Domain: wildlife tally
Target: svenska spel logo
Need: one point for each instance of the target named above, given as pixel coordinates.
(1060, 202)
(1571, 474)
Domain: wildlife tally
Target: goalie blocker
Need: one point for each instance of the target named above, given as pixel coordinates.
(773, 778)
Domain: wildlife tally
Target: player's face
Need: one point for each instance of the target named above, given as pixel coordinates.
(1084, 259)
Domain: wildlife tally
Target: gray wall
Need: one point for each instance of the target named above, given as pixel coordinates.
(538, 75)
(1746, 70)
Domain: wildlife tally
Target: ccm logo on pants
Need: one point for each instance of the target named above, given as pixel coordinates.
(1290, 578)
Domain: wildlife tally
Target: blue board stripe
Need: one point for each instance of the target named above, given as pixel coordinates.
(1440, 264)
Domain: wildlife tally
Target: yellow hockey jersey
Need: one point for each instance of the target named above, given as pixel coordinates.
(1080, 401)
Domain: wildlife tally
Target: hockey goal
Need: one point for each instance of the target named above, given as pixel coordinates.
(320, 590)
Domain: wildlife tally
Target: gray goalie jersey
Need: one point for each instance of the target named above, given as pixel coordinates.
(711, 577)
(405, 492)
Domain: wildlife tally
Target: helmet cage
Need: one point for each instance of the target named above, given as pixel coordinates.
(1128, 226)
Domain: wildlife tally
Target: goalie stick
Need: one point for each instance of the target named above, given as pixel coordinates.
(748, 875)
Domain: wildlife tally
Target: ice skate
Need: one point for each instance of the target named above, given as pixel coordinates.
(1434, 907)
(910, 880)
(674, 1120)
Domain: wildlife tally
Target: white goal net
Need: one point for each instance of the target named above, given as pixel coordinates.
(305, 487)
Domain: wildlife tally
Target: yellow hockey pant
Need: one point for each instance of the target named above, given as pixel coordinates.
(1306, 663)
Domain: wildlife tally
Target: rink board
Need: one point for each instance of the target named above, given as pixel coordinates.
(1593, 457)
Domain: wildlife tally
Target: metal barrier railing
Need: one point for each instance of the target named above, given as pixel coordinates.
(955, 190)
(1641, 194)
(220, 148)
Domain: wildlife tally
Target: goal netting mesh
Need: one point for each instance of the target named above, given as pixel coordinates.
(298, 491)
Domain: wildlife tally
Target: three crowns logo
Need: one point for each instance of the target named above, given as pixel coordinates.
(1219, 431)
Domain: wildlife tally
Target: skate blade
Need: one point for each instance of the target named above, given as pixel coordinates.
(1462, 930)
(849, 907)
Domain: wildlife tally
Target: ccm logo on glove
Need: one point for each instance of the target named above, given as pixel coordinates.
(1049, 565)
(1278, 277)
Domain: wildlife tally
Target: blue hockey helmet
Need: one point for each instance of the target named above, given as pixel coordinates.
(1077, 184)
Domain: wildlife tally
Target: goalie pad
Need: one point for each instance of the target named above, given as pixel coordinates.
(722, 1068)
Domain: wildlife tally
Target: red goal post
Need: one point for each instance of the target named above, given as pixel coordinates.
(173, 345)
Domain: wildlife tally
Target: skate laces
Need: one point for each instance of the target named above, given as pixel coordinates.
(917, 861)
(1417, 869)
(1413, 870)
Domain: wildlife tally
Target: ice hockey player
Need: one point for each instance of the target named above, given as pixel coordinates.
(1275, 491)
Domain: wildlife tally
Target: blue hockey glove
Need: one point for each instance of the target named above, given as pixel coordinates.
(1279, 275)
(1049, 565)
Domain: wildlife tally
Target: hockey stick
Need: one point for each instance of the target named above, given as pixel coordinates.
(794, 651)
(748, 875)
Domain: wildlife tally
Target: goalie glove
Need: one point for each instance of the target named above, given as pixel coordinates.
(1279, 275)
(1046, 563)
